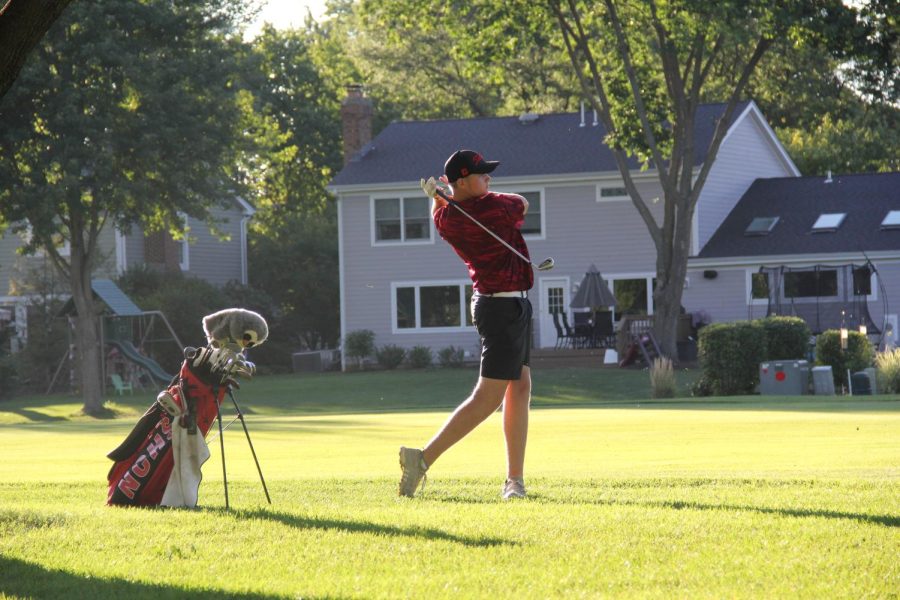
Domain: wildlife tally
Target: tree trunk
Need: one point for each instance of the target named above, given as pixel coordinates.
(87, 336)
(22, 25)
(671, 273)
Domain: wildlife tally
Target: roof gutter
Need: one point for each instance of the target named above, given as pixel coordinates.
(883, 256)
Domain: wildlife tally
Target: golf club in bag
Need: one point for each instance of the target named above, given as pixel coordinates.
(544, 265)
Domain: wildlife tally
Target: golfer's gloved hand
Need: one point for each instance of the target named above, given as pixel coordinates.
(429, 187)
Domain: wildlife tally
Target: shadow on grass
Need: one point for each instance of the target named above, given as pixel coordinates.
(35, 416)
(23, 579)
(302, 522)
(885, 520)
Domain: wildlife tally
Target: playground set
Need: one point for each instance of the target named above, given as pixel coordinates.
(130, 341)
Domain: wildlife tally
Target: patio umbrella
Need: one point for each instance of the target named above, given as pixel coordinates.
(593, 292)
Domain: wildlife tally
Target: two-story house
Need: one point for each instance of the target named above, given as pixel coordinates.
(401, 281)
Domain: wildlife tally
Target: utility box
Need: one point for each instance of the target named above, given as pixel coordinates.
(784, 378)
(307, 362)
(823, 381)
(860, 384)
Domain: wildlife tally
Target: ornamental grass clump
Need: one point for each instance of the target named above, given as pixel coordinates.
(662, 378)
(888, 368)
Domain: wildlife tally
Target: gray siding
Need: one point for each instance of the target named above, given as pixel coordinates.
(747, 154)
(211, 258)
(579, 231)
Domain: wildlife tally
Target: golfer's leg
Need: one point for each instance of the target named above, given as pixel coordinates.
(485, 399)
(515, 422)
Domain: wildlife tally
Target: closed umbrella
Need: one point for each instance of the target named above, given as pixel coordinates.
(593, 293)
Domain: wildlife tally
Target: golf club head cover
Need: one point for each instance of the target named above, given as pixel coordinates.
(236, 328)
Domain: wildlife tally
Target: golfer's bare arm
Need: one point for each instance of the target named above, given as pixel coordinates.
(524, 204)
(436, 203)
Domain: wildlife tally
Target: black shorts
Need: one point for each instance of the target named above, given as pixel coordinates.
(504, 325)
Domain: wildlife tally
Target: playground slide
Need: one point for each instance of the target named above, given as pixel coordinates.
(145, 362)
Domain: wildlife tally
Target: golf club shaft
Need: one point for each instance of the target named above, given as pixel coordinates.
(456, 205)
(222, 447)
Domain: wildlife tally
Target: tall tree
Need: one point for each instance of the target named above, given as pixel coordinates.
(293, 115)
(645, 66)
(22, 24)
(122, 115)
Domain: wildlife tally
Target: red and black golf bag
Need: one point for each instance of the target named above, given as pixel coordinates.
(144, 461)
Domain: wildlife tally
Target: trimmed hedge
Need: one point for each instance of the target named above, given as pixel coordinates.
(858, 355)
(390, 356)
(730, 354)
(420, 357)
(787, 338)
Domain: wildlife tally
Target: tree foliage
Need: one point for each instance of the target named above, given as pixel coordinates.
(122, 115)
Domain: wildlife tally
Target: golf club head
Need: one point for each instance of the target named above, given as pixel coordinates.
(546, 264)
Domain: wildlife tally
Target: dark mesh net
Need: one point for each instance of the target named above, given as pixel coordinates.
(825, 296)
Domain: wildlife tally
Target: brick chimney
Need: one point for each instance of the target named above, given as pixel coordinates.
(356, 121)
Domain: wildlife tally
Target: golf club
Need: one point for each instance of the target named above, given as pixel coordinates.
(545, 264)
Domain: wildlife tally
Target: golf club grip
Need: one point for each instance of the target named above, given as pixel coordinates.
(456, 205)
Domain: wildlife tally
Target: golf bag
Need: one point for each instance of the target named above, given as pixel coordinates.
(159, 462)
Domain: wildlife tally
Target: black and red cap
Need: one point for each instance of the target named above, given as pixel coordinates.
(466, 162)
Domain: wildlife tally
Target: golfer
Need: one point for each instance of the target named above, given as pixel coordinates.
(500, 310)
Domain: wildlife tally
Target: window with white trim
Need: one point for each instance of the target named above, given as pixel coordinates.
(607, 193)
(634, 295)
(534, 218)
(431, 306)
(401, 220)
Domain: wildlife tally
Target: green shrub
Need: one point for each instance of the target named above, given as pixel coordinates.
(858, 355)
(730, 354)
(390, 356)
(662, 378)
(888, 365)
(786, 337)
(359, 344)
(420, 357)
(451, 357)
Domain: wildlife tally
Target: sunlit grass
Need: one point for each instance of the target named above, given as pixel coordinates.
(729, 497)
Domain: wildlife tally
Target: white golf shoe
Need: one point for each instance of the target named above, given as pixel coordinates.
(514, 488)
(412, 461)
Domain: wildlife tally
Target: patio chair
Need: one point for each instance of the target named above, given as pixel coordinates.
(604, 335)
(578, 339)
(563, 338)
(120, 386)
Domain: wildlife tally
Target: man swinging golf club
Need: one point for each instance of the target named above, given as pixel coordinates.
(471, 220)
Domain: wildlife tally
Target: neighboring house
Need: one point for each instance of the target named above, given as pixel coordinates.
(400, 280)
(204, 255)
(792, 225)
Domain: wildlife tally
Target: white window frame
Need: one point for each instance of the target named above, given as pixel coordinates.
(619, 198)
(521, 191)
(185, 262)
(462, 283)
(648, 277)
(751, 301)
(401, 242)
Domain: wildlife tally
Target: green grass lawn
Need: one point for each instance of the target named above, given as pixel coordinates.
(728, 497)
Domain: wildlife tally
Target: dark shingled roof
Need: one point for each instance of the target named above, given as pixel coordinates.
(552, 145)
(798, 201)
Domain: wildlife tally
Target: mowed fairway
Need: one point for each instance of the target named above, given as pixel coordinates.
(729, 497)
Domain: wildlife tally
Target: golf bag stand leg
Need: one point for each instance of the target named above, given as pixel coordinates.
(222, 447)
(252, 451)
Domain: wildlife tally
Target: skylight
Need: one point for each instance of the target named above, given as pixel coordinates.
(829, 221)
(761, 226)
(891, 220)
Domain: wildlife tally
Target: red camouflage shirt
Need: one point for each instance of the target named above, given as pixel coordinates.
(492, 267)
